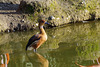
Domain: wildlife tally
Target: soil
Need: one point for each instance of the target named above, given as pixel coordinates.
(11, 20)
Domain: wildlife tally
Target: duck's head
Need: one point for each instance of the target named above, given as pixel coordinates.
(42, 22)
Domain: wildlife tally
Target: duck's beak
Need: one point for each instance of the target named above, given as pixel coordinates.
(46, 23)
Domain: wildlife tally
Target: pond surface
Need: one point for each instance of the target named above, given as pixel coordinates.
(75, 43)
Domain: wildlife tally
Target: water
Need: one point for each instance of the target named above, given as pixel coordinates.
(65, 46)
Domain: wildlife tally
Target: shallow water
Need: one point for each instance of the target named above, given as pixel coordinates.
(78, 42)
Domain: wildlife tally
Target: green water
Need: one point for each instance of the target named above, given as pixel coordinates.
(78, 42)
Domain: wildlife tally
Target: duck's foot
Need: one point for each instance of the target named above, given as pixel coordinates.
(35, 50)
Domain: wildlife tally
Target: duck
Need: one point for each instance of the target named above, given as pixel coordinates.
(38, 39)
(4, 60)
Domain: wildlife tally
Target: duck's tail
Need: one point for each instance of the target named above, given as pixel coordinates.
(26, 47)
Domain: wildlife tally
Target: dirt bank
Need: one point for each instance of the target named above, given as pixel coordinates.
(56, 12)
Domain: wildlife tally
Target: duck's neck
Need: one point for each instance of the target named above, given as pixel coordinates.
(42, 31)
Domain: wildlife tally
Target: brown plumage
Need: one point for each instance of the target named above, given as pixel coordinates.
(37, 40)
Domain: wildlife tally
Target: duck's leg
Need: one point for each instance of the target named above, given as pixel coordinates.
(2, 61)
(35, 50)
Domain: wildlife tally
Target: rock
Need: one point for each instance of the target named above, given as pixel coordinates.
(19, 26)
(85, 21)
(58, 18)
(51, 18)
(22, 21)
(37, 24)
(22, 6)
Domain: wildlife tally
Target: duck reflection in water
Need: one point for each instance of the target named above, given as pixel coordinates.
(42, 60)
(38, 60)
(95, 65)
(4, 60)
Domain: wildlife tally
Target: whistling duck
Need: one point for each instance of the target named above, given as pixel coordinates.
(4, 60)
(37, 40)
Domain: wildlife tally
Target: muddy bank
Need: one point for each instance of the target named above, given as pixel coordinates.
(24, 16)
(10, 20)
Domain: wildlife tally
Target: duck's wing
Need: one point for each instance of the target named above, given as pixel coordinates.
(34, 39)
